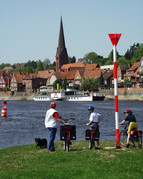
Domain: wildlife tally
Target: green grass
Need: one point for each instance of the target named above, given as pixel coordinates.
(29, 162)
(23, 98)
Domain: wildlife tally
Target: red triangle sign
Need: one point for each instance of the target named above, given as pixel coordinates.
(114, 38)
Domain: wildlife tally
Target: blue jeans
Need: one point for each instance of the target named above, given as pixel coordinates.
(52, 134)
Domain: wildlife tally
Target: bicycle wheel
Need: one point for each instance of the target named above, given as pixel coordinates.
(135, 140)
(67, 146)
(140, 142)
(92, 143)
(123, 137)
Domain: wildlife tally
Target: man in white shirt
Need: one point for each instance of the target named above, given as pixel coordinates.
(51, 119)
(94, 120)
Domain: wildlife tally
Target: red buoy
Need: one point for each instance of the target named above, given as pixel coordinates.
(4, 110)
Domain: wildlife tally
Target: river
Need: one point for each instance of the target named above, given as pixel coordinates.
(25, 119)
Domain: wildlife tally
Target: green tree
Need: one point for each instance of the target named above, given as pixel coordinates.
(3, 65)
(39, 66)
(65, 84)
(17, 69)
(138, 53)
(71, 59)
(130, 52)
(122, 60)
(90, 57)
(32, 64)
(55, 83)
(110, 56)
(29, 69)
(109, 62)
(89, 84)
(101, 80)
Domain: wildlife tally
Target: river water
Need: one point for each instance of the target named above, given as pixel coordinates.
(25, 119)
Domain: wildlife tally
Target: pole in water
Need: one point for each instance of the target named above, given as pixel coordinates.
(114, 39)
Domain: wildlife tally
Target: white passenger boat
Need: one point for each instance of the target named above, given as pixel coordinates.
(60, 96)
(41, 98)
(79, 98)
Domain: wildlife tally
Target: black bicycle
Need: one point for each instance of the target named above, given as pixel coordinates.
(67, 133)
(92, 136)
(135, 138)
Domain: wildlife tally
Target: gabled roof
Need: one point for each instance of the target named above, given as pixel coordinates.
(66, 75)
(108, 74)
(134, 66)
(92, 74)
(6, 76)
(73, 65)
(19, 76)
(136, 73)
(45, 73)
(7, 68)
(92, 66)
(123, 67)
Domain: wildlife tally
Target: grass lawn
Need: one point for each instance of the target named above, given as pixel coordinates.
(29, 162)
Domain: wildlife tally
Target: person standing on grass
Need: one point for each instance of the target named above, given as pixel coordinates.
(51, 119)
(94, 120)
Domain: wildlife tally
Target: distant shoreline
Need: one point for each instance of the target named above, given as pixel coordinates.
(16, 98)
(135, 97)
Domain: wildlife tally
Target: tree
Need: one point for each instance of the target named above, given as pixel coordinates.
(110, 56)
(32, 64)
(89, 84)
(39, 66)
(138, 53)
(109, 62)
(17, 69)
(46, 63)
(101, 80)
(55, 83)
(130, 52)
(29, 69)
(65, 84)
(90, 57)
(3, 65)
(122, 60)
(71, 59)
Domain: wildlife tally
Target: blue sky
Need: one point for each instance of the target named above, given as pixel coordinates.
(29, 29)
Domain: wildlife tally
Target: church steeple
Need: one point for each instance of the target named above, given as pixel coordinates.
(61, 55)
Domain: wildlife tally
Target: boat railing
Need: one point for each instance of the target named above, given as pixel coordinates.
(41, 96)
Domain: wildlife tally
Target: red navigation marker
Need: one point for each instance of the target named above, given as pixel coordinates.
(114, 38)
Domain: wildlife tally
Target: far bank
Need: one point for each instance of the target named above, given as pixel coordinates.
(123, 94)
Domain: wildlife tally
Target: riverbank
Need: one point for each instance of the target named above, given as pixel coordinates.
(18, 96)
(30, 162)
(123, 94)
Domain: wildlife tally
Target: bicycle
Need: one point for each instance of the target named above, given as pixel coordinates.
(67, 133)
(92, 136)
(135, 138)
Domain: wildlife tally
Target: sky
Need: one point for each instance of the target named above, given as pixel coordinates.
(29, 29)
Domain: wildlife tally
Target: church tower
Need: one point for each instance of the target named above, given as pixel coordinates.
(61, 55)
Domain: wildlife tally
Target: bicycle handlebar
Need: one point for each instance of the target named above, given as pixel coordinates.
(67, 119)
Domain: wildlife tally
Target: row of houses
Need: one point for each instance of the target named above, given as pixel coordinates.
(74, 73)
